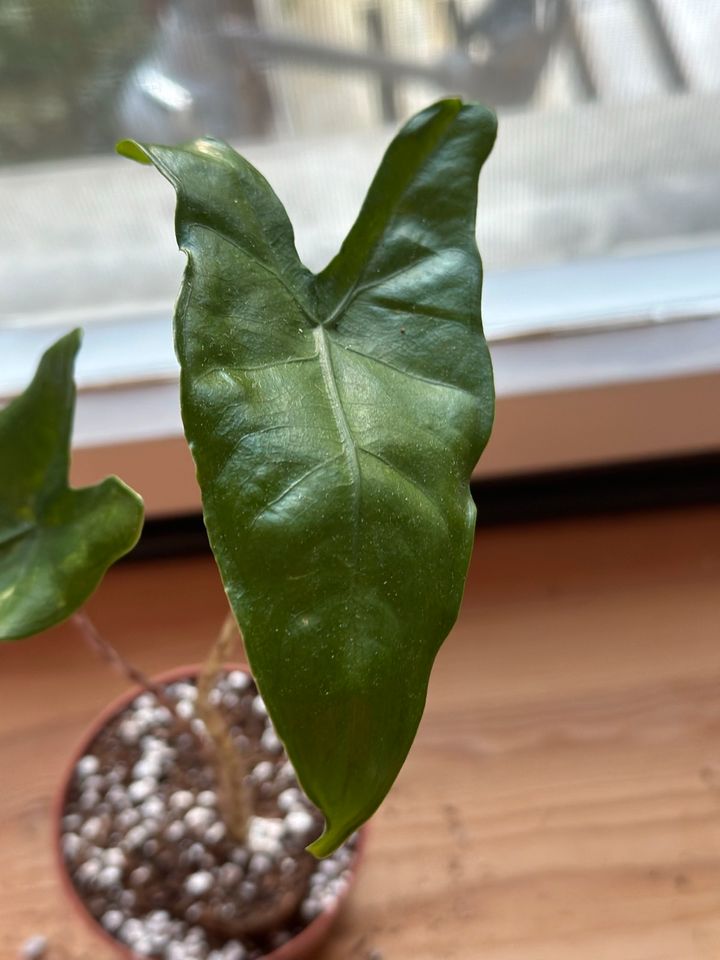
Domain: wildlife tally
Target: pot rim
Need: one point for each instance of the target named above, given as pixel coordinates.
(301, 945)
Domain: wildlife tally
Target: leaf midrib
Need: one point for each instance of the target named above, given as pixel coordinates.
(341, 421)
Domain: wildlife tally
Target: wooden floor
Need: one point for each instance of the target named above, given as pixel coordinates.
(562, 801)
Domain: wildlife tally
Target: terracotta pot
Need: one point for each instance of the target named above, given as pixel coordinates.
(302, 946)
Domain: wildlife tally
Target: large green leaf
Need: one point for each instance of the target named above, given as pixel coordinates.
(55, 543)
(335, 420)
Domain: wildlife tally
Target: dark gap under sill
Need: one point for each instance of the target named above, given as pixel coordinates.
(592, 491)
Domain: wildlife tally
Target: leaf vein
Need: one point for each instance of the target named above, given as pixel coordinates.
(246, 436)
(410, 481)
(410, 373)
(231, 370)
(255, 259)
(18, 533)
(359, 288)
(301, 479)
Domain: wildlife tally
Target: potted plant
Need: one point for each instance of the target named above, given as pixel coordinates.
(335, 420)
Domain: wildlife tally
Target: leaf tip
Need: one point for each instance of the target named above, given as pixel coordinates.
(61, 355)
(130, 495)
(482, 115)
(74, 340)
(326, 844)
(133, 151)
(330, 839)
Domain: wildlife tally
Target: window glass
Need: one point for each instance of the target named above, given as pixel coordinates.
(609, 143)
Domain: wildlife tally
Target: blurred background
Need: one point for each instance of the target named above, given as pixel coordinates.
(599, 216)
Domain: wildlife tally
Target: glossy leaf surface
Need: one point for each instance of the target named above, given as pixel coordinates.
(335, 420)
(55, 543)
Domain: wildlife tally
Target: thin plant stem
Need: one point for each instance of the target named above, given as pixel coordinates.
(231, 766)
(107, 652)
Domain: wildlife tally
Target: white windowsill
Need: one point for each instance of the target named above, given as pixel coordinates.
(637, 378)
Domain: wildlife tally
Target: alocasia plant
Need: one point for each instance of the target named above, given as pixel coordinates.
(55, 542)
(335, 420)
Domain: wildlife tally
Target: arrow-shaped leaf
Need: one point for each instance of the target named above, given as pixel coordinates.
(335, 421)
(55, 543)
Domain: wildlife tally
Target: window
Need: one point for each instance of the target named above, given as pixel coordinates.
(599, 217)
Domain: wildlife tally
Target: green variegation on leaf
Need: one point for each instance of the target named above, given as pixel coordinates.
(335, 420)
(55, 542)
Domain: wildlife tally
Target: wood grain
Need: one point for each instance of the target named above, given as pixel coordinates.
(562, 800)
